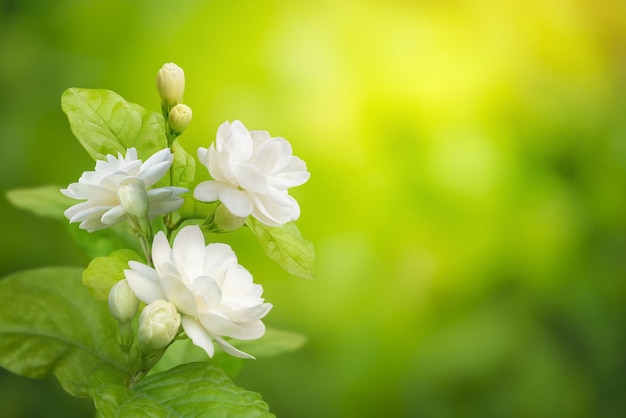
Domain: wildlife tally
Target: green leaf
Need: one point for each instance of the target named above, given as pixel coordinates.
(104, 242)
(189, 390)
(273, 343)
(103, 272)
(46, 201)
(184, 351)
(104, 123)
(183, 167)
(194, 209)
(285, 245)
(50, 324)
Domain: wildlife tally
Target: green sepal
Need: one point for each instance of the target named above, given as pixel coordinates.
(50, 324)
(103, 272)
(285, 245)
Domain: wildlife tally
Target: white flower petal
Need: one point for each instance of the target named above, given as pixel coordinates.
(179, 294)
(198, 335)
(114, 215)
(266, 156)
(230, 349)
(238, 141)
(155, 167)
(217, 323)
(160, 252)
(207, 293)
(251, 178)
(236, 201)
(145, 284)
(293, 174)
(275, 208)
(208, 191)
(189, 250)
(251, 331)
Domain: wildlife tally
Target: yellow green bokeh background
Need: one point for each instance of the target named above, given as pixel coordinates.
(467, 199)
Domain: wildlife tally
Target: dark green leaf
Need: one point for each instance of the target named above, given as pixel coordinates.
(189, 390)
(50, 324)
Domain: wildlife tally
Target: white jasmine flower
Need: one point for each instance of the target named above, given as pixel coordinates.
(215, 296)
(101, 190)
(251, 174)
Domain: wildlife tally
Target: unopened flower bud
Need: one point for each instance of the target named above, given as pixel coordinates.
(122, 301)
(134, 197)
(158, 325)
(179, 118)
(170, 83)
(225, 221)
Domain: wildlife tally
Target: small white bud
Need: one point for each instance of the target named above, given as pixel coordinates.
(134, 197)
(158, 325)
(170, 83)
(179, 118)
(122, 302)
(226, 221)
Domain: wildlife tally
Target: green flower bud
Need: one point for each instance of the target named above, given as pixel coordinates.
(170, 83)
(179, 118)
(225, 221)
(122, 301)
(134, 197)
(158, 325)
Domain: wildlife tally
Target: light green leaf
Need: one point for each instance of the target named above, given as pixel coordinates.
(189, 390)
(285, 245)
(46, 201)
(184, 351)
(50, 324)
(103, 272)
(273, 343)
(105, 123)
(194, 209)
(183, 167)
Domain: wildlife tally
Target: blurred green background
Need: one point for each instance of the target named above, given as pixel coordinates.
(467, 199)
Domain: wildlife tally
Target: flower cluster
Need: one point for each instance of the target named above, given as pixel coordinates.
(190, 288)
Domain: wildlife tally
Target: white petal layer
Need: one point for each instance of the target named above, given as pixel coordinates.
(216, 296)
(251, 174)
(99, 189)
